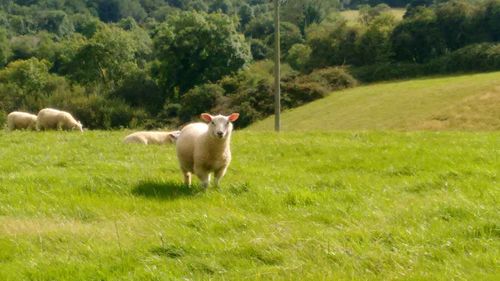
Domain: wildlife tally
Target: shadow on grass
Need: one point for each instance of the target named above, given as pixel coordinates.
(165, 190)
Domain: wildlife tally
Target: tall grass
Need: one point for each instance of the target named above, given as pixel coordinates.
(293, 206)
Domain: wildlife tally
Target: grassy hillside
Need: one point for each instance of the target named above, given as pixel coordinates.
(353, 15)
(467, 102)
(303, 206)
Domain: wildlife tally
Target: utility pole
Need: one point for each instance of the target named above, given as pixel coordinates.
(277, 71)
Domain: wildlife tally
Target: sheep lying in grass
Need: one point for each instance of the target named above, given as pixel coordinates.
(204, 148)
(49, 118)
(148, 137)
(21, 120)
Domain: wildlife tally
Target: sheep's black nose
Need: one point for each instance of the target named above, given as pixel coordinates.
(220, 134)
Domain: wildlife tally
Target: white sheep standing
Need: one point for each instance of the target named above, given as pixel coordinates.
(49, 118)
(205, 148)
(152, 137)
(21, 120)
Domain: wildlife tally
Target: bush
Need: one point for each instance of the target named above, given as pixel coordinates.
(476, 57)
(96, 111)
(298, 56)
(299, 91)
(333, 78)
(199, 99)
(3, 117)
(387, 71)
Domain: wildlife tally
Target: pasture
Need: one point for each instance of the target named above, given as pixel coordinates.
(293, 206)
(468, 102)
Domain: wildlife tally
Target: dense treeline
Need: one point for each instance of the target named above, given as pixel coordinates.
(154, 63)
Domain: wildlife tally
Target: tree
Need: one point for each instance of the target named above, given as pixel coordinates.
(105, 59)
(114, 10)
(367, 13)
(246, 14)
(306, 12)
(492, 19)
(418, 38)
(5, 51)
(195, 48)
(23, 83)
(453, 18)
(223, 6)
(56, 22)
(298, 56)
(374, 45)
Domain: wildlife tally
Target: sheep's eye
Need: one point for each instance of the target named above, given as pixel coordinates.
(213, 123)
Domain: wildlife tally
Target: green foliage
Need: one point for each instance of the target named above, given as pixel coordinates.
(246, 14)
(303, 13)
(334, 78)
(96, 111)
(25, 83)
(104, 59)
(200, 99)
(56, 22)
(140, 91)
(85, 24)
(418, 38)
(335, 37)
(114, 10)
(492, 19)
(374, 45)
(367, 13)
(194, 48)
(476, 57)
(5, 49)
(298, 56)
(454, 20)
(259, 50)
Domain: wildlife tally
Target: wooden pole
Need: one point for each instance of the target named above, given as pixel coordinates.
(277, 70)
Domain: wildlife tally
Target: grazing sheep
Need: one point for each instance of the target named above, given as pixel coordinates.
(49, 118)
(204, 148)
(147, 137)
(21, 120)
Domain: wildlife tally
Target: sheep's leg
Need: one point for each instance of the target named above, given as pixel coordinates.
(187, 178)
(219, 174)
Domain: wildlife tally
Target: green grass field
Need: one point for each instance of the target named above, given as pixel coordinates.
(467, 102)
(293, 206)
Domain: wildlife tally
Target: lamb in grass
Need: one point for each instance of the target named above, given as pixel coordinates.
(21, 120)
(203, 148)
(150, 137)
(49, 118)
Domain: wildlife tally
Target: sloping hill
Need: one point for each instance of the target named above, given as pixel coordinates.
(467, 102)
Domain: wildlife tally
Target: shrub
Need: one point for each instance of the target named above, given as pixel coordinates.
(3, 117)
(476, 57)
(333, 78)
(300, 91)
(387, 71)
(95, 111)
(199, 99)
(298, 56)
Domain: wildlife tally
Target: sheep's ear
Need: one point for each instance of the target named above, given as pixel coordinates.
(233, 117)
(174, 135)
(206, 117)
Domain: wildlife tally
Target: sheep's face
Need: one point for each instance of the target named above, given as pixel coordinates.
(220, 126)
(78, 126)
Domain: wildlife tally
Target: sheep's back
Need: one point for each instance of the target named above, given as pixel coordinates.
(186, 142)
